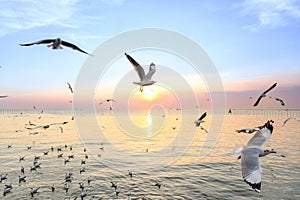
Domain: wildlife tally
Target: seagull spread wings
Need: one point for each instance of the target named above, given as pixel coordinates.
(138, 68)
(264, 94)
(251, 170)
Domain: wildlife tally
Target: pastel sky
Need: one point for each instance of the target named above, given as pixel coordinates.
(253, 44)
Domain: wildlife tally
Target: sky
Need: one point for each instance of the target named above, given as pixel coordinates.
(252, 43)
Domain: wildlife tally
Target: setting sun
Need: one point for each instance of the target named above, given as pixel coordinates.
(148, 93)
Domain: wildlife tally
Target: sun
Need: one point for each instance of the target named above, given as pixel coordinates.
(148, 93)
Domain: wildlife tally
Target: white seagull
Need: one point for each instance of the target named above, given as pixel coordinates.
(200, 120)
(56, 44)
(247, 130)
(264, 94)
(251, 170)
(145, 80)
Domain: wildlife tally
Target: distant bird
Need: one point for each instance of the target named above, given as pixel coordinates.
(130, 173)
(70, 87)
(46, 126)
(34, 191)
(285, 121)
(45, 153)
(22, 179)
(107, 100)
(247, 130)
(9, 146)
(56, 44)
(82, 195)
(145, 80)
(251, 169)
(22, 158)
(89, 180)
(66, 187)
(114, 185)
(3, 177)
(202, 128)
(200, 120)
(61, 129)
(117, 191)
(158, 184)
(81, 186)
(3, 96)
(264, 94)
(22, 170)
(280, 100)
(52, 188)
(82, 170)
(6, 190)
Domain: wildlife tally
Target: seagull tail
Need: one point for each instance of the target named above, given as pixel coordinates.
(237, 152)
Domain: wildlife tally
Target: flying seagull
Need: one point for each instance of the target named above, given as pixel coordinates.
(56, 44)
(264, 94)
(285, 121)
(145, 80)
(70, 87)
(281, 101)
(47, 125)
(200, 120)
(247, 130)
(3, 96)
(251, 170)
(107, 100)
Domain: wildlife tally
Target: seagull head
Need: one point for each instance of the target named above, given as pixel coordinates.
(152, 64)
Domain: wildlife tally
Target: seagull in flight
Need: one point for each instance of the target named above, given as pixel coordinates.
(264, 94)
(70, 87)
(47, 125)
(249, 154)
(285, 121)
(200, 120)
(247, 130)
(145, 80)
(3, 96)
(56, 44)
(107, 100)
(280, 100)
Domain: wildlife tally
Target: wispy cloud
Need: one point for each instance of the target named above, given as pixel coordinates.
(17, 15)
(270, 13)
(21, 15)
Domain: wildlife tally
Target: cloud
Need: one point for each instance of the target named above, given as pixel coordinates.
(270, 13)
(21, 15)
(18, 15)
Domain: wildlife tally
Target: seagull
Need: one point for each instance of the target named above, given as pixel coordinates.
(6, 190)
(3, 96)
(22, 170)
(285, 121)
(280, 100)
(34, 191)
(3, 177)
(202, 128)
(114, 185)
(264, 94)
(56, 44)
(82, 170)
(200, 120)
(69, 86)
(22, 179)
(145, 80)
(61, 129)
(251, 170)
(46, 126)
(66, 187)
(158, 184)
(22, 158)
(107, 100)
(247, 130)
(130, 173)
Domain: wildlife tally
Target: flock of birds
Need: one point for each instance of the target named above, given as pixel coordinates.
(249, 154)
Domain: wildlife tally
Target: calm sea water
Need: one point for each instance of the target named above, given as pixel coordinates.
(161, 146)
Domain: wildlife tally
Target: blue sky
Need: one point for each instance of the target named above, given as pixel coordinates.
(253, 43)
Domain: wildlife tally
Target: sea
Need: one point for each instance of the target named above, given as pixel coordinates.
(188, 162)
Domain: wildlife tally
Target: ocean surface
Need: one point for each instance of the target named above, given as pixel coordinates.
(166, 147)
